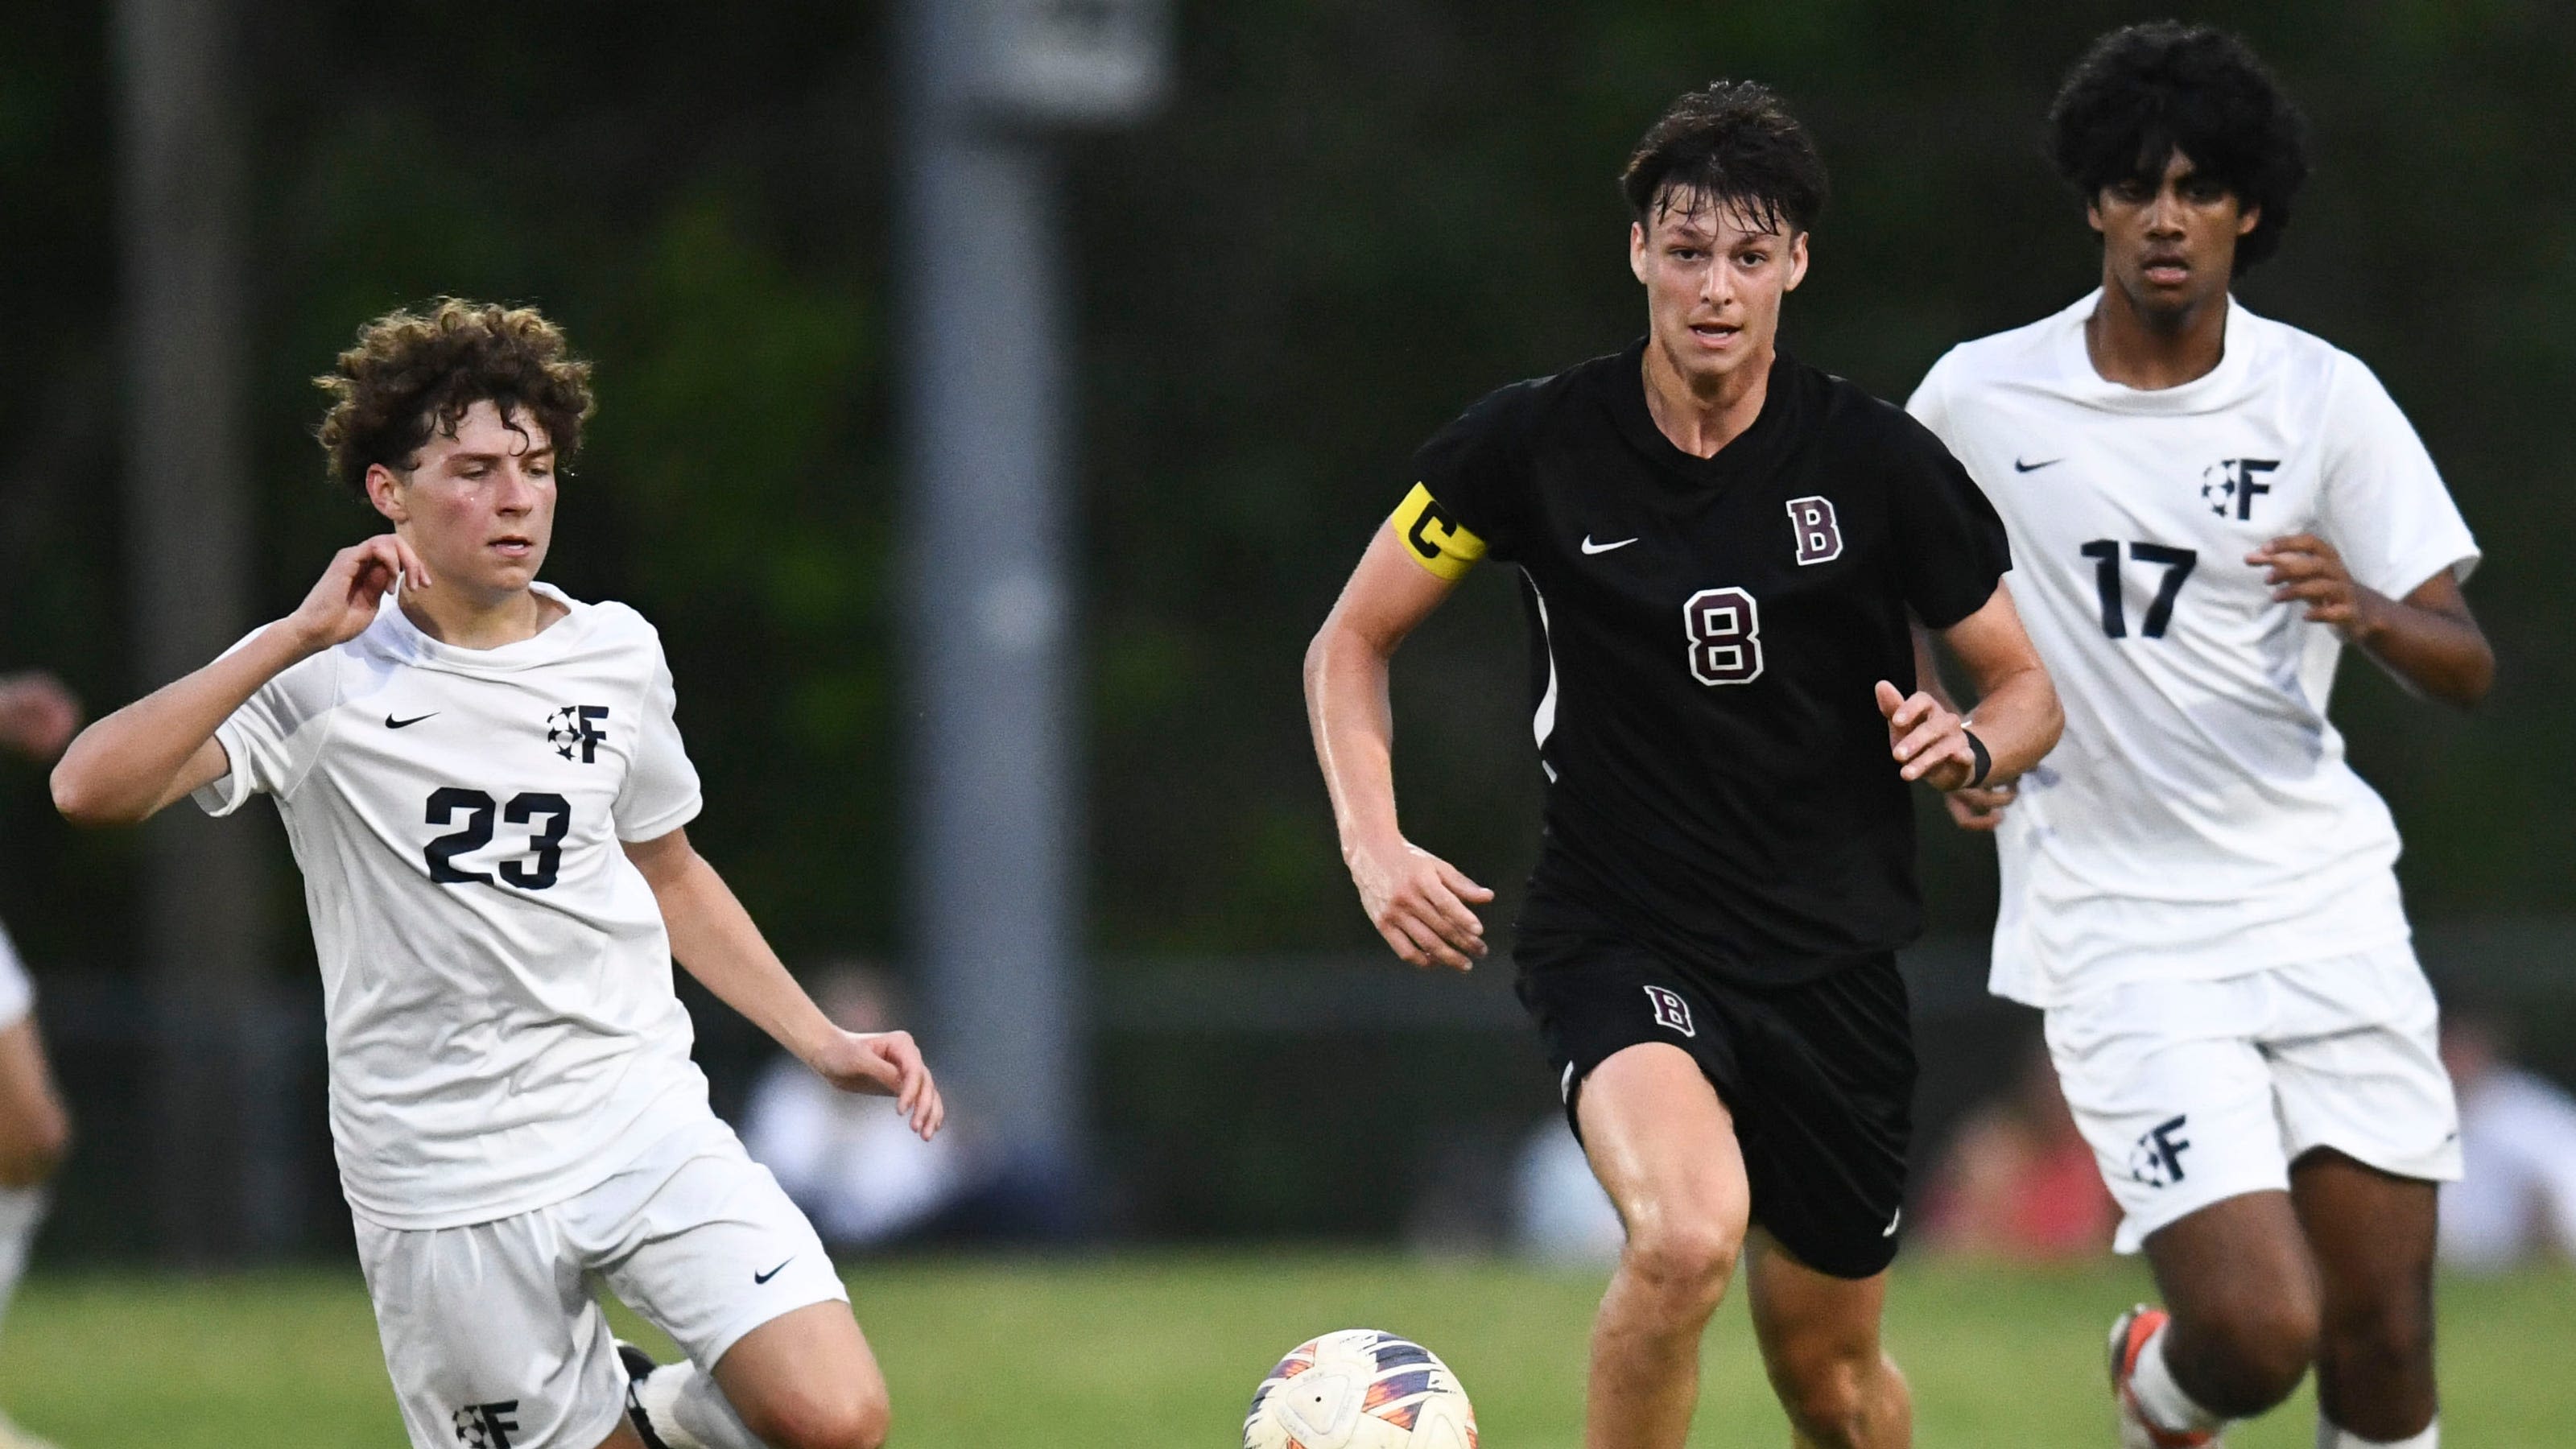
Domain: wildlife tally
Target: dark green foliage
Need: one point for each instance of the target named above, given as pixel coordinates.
(1354, 219)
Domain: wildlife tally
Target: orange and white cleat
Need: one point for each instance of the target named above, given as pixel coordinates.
(2129, 1337)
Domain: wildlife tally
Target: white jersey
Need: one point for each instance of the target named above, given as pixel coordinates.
(17, 993)
(2198, 819)
(495, 977)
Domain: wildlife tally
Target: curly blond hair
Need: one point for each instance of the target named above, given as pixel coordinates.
(412, 373)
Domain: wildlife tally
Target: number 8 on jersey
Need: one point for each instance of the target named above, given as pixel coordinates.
(1724, 627)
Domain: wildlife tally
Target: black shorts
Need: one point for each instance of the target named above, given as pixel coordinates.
(1819, 1077)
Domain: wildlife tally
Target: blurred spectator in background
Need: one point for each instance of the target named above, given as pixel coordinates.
(2516, 1197)
(853, 1165)
(1559, 1212)
(37, 717)
(2018, 1180)
(863, 1177)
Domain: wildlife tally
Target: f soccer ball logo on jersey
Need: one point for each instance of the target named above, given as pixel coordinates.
(575, 727)
(2235, 482)
(487, 1426)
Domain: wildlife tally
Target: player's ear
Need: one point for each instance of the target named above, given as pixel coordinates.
(1637, 251)
(2093, 211)
(1797, 261)
(2248, 219)
(384, 490)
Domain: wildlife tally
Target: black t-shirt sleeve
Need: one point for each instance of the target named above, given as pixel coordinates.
(1476, 471)
(1951, 548)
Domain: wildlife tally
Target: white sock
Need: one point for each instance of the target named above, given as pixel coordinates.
(2163, 1400)
(22, 1211)
(689, 1412)
(2330, 1437)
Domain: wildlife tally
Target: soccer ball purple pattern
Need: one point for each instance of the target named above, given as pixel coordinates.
(1360, 1389)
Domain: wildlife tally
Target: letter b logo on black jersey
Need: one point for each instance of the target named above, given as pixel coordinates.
(1820, 538)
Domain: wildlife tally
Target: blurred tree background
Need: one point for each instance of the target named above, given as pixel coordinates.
(1354, 217)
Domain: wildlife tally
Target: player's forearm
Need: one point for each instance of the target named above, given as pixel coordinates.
(2439, 654)
(131, 764)
(2017, 716)
(1354, 729)
(714, 939)
(1927, 670)
(2018, 720)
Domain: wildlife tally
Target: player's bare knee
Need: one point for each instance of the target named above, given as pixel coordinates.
(865, 1425)
(2260, 1350)
(858, 1418)
(2380, 1338)
(1685, 1259)
(1826, 1393)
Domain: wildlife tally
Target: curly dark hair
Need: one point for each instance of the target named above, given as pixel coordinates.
(1732, 143)
(2146, 91)
(414, 372)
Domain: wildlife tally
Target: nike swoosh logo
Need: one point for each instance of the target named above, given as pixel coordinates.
(2021, 467)
(392, 723)
(1892, 1222)
(772, 1273)
(1590, 547)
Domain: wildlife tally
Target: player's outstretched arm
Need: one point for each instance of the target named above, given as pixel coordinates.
(1420, 903)
(2428, 640)
(2017, 717)
(132, 764)
(713, 937)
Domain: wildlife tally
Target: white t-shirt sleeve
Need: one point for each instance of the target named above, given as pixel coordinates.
(2384, 507)
(1930, 404)
(273, 740)
(661, 790)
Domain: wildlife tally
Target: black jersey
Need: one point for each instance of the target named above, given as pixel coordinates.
(1706, 635)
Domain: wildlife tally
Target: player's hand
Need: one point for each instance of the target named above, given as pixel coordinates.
(884, 1064)
(2305, 568)
(1980, 808)
(1929, 742)
(343, 604)
(1419, 903)
(38, 716)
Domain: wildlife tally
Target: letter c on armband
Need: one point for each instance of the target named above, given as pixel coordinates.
(1434, 539)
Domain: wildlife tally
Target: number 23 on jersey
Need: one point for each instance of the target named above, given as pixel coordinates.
(544, 847)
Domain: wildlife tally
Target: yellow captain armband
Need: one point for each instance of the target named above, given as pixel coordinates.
(1435, 540)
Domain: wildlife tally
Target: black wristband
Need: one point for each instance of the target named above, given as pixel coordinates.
(1985, 762)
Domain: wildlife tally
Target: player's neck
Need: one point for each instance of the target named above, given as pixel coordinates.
(465, 619)
(1702, 415)
(2150, 351)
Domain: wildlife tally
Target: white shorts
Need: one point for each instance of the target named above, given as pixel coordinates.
(490, 1330)
(17, 993)
(2190, 1092)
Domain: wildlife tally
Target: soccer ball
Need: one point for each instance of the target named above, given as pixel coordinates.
(1360, 1389)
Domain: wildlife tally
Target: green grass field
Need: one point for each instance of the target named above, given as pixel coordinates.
(1140, 1352)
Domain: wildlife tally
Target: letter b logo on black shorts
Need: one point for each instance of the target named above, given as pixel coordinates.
(1671, 1010)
